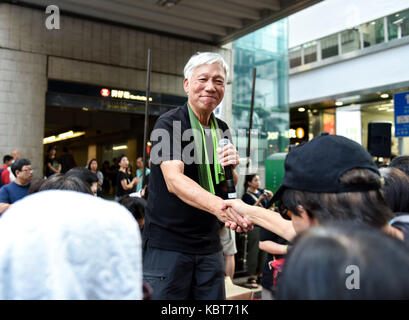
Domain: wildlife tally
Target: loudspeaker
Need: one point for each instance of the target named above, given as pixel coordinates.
(379, 139)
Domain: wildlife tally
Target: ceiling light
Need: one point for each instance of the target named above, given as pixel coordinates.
(120, 147)
(384, 95)
(301, 109)
(339, 103)
(63, 136)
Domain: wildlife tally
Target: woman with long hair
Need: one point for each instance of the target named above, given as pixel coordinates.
(254, 196)
(124, 184)
(93, 167)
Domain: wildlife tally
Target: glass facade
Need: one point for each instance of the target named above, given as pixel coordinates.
(350, 40)
(266, 50)
(373, 32)
(295, 57)
(329, 46)
(381, 30)
(398, 25)
(310, 52)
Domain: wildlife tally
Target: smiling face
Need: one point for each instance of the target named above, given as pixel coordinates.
(205, 88)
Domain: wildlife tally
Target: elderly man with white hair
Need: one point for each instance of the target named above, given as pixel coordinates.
(183, 256)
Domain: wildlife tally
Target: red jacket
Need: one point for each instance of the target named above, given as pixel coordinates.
(5, 175)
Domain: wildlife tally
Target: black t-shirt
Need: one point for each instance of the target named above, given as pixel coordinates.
(119, 190)
(170, 223)
(54, 163)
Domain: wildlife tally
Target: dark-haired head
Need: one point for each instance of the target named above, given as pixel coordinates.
(19, 164)
(368, 207)
(90, 163)
(248, 178)
(136, 206)
(396, 189)
(60, 181)
(7, 158)
(401, 163)
(85, 175)
(345, 261)
(35, 185)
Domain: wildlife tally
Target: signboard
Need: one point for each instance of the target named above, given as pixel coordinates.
(401, 102)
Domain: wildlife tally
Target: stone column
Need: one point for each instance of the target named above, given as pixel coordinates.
(23, 86)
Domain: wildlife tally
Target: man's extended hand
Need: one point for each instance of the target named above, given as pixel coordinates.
(239, 210)
(229, 216)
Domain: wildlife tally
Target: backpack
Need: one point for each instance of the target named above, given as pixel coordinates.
(1, 172)
(277, 266)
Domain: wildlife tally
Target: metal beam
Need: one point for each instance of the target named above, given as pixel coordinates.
(125, 20)
(259, 4)
(219, 7)
(109, 7)
(183, 12)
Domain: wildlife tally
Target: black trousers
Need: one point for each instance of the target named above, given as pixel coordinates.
(179, 276)
(255, 257)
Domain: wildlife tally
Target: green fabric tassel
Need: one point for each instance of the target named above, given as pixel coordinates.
(205, 174)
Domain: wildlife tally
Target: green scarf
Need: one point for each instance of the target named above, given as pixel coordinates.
(205, 173)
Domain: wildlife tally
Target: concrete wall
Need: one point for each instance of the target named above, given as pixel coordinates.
(80, 51)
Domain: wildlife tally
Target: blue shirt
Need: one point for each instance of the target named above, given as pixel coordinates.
(13, 192)
(139, 174)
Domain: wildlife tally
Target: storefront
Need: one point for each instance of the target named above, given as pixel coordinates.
(100, 122)
(347, 116)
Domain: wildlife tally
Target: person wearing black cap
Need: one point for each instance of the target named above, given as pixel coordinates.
(329, 178)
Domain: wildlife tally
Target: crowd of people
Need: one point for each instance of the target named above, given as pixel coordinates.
(337, 228)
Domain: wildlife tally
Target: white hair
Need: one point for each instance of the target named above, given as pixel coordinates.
(201, 58)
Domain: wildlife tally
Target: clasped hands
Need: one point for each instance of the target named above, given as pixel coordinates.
(233, 212)
(236, 215)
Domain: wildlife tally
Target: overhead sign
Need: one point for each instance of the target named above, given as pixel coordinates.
(401, 102)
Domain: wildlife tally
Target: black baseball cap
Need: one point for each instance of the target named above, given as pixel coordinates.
(317, 166)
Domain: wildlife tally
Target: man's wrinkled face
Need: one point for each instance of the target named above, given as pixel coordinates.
(205, 88)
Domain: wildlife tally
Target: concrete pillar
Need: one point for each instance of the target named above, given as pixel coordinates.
(23, 85)
(92, 152)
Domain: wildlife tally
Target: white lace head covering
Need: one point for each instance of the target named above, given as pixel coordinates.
(68, 245)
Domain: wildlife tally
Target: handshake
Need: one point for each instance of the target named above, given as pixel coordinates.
(236, 215)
